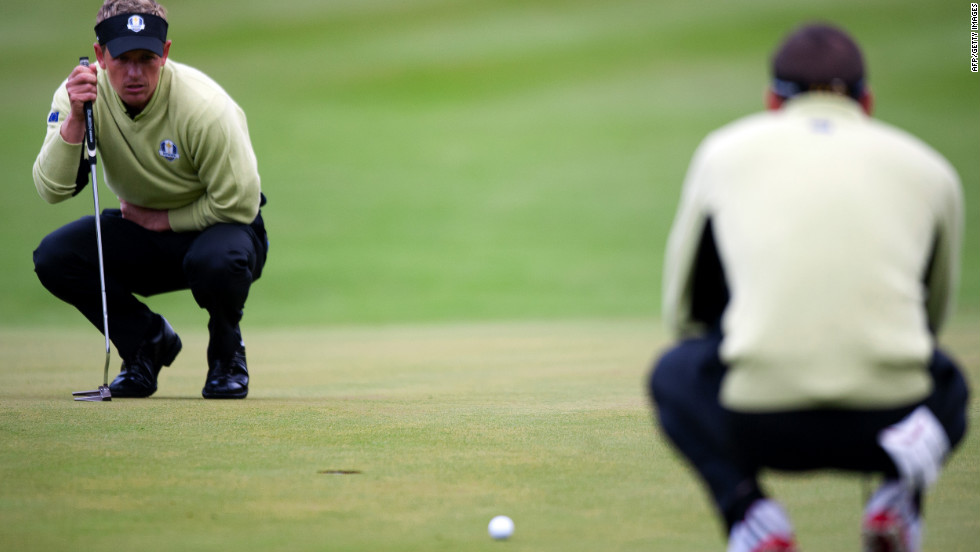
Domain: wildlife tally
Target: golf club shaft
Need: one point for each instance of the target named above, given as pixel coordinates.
(105, 308)
(90, 146)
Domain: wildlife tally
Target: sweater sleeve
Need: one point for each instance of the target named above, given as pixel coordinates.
(226, 164)
(56, 165)
(681, 251)
(942, 278)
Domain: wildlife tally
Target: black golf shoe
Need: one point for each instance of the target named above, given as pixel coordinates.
(227, 377)
(138, 377)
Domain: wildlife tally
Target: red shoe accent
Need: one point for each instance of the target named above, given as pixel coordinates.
(882, 532)
(776, 543)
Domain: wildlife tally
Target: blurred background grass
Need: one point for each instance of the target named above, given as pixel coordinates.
(437, 160)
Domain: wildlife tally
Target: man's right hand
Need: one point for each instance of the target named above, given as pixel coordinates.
(918, 445)
(81, 88)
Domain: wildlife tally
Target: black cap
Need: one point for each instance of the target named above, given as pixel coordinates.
(132, 31)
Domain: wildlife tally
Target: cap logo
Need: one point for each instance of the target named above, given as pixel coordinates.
(135, 24)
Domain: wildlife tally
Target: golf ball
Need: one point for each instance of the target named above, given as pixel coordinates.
(501, 527)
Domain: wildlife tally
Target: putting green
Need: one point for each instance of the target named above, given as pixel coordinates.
(391, 438)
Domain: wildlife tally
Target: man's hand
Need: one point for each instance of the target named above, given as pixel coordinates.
(151, 219)
(917, 445)
(81, 86)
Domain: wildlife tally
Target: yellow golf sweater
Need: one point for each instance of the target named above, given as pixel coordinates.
(188, 152)
(839, 237)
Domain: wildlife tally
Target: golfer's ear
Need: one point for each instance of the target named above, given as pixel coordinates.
(867, 101)
(773, 102)
(99, 54)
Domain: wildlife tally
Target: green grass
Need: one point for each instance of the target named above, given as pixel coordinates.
(448, 426)
(435, 160)
(468, 208)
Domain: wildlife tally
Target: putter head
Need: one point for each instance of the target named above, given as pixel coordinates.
(100, 394)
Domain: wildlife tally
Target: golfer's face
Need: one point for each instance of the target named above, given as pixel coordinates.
(134, 75)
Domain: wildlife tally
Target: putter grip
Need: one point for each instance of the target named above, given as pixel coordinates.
(89, 121)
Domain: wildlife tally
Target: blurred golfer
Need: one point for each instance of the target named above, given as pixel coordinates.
(813, 259)
(175, 150)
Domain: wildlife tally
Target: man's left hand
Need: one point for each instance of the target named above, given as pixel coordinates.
(151, 219)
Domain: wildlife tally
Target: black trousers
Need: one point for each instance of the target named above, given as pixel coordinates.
(218, 265)
(728, 449)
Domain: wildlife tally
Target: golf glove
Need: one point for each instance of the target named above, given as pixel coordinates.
(917, 445)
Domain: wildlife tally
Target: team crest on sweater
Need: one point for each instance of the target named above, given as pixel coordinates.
(168, 150)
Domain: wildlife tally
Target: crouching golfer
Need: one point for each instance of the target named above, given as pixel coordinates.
(812, 260)
(175, 150)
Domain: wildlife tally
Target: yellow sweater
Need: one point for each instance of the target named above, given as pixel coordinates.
(839, 238)
(187, 152)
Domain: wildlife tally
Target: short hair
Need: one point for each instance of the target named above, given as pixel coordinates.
(818, 56)
(115, 7)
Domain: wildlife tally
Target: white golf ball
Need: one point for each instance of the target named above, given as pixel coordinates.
(501, 527)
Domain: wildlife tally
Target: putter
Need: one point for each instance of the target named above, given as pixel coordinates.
(102, 393)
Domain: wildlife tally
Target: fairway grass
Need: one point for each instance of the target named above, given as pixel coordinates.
(444, 425)
(436, 160)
